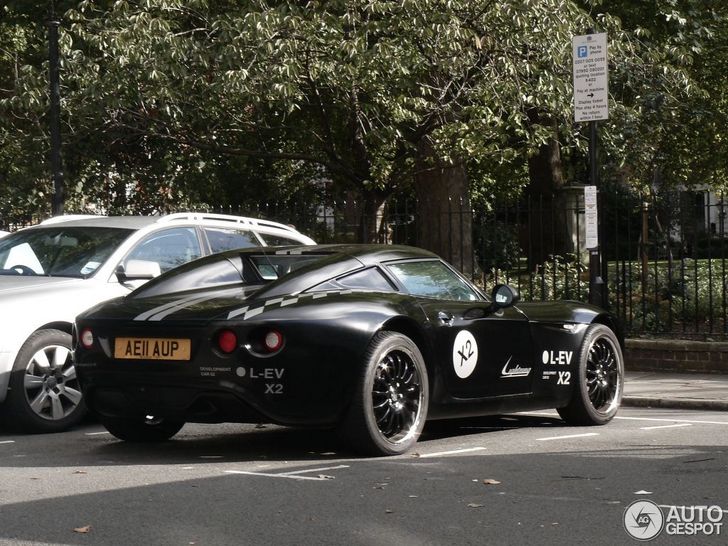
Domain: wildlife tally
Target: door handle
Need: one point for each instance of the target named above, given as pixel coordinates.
(445, 318)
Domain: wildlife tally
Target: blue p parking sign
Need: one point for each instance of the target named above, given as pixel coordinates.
(582, 51)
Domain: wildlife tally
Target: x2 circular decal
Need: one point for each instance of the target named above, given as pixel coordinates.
(464, 354)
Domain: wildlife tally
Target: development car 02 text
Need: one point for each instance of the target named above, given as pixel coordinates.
(372, 340)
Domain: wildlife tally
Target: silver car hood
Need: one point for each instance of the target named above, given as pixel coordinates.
(22, 284)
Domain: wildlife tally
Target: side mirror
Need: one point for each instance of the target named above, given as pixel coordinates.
(135, 270)
(504, 296)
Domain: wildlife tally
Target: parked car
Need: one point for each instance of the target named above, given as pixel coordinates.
(51, 272)
(371, 340)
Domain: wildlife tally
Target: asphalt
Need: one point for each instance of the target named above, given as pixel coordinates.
(676, 390)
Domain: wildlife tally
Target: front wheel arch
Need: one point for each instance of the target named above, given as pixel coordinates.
(599, 379)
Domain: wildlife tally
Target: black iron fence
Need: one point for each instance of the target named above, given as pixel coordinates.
(664, 256)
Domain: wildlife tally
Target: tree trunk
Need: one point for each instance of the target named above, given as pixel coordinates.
(444, 215)
(548, 230)
(372, 219)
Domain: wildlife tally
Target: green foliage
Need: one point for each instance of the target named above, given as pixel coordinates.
(169, 102)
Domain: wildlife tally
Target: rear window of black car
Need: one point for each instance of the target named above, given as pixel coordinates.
(366, 279)
(274, 266)
(221, 272)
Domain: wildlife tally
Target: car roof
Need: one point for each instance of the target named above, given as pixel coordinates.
(138, 222)
(368, 254)
(128, 222)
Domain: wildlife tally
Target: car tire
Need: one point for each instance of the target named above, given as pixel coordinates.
(143, 429)
(44, 393)
(391, 397)
(597, 393)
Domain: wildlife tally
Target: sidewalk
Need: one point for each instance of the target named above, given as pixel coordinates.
(676, 390)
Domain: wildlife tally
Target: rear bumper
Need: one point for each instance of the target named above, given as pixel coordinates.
(190, 405)
(211, 402)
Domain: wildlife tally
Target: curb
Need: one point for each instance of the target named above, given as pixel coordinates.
(674, 403)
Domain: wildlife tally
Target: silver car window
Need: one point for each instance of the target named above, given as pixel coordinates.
(222, 239)
(278, 240)
(169, 248)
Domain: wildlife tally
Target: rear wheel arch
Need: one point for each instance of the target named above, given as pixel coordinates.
(412, 330)
(389, 405)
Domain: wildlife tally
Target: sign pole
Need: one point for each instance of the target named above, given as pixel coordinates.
(591, 105)
(597, 287)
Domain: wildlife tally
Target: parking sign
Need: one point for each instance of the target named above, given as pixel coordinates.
(590, 77)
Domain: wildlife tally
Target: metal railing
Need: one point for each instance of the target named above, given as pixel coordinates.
(664, 257)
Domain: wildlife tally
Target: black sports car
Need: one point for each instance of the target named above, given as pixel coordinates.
(372, 340)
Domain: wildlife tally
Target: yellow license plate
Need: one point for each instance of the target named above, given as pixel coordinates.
(138, 348)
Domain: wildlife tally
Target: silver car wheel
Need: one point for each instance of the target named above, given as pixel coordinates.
(51, 386)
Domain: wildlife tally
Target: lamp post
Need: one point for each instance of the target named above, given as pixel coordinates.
(55, 111)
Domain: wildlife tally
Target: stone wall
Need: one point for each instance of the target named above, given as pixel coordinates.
(675, 356)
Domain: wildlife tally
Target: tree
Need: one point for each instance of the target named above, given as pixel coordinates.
(173, 102)
(359, 88)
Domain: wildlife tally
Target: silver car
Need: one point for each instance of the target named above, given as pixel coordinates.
(51, 272)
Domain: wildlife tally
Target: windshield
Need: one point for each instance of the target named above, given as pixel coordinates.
(59, 251)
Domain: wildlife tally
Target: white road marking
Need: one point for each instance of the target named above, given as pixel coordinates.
(265, 475)
(667, 426)
(309, 470)
(659, 419)
(453, 452)
(97, 433)
(662, 420)
(7, 442)
(568, 436)
(295, 475)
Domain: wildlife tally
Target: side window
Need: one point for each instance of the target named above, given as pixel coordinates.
(368, 279)
(278, 240)
(222, 239)
(432, 279)
(168, 248)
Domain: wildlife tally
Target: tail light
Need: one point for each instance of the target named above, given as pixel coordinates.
(87, 338)
(265, 341)
(227, 341)
(273, 341)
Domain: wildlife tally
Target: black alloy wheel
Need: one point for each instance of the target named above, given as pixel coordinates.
(391, 398)
(598, 382)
